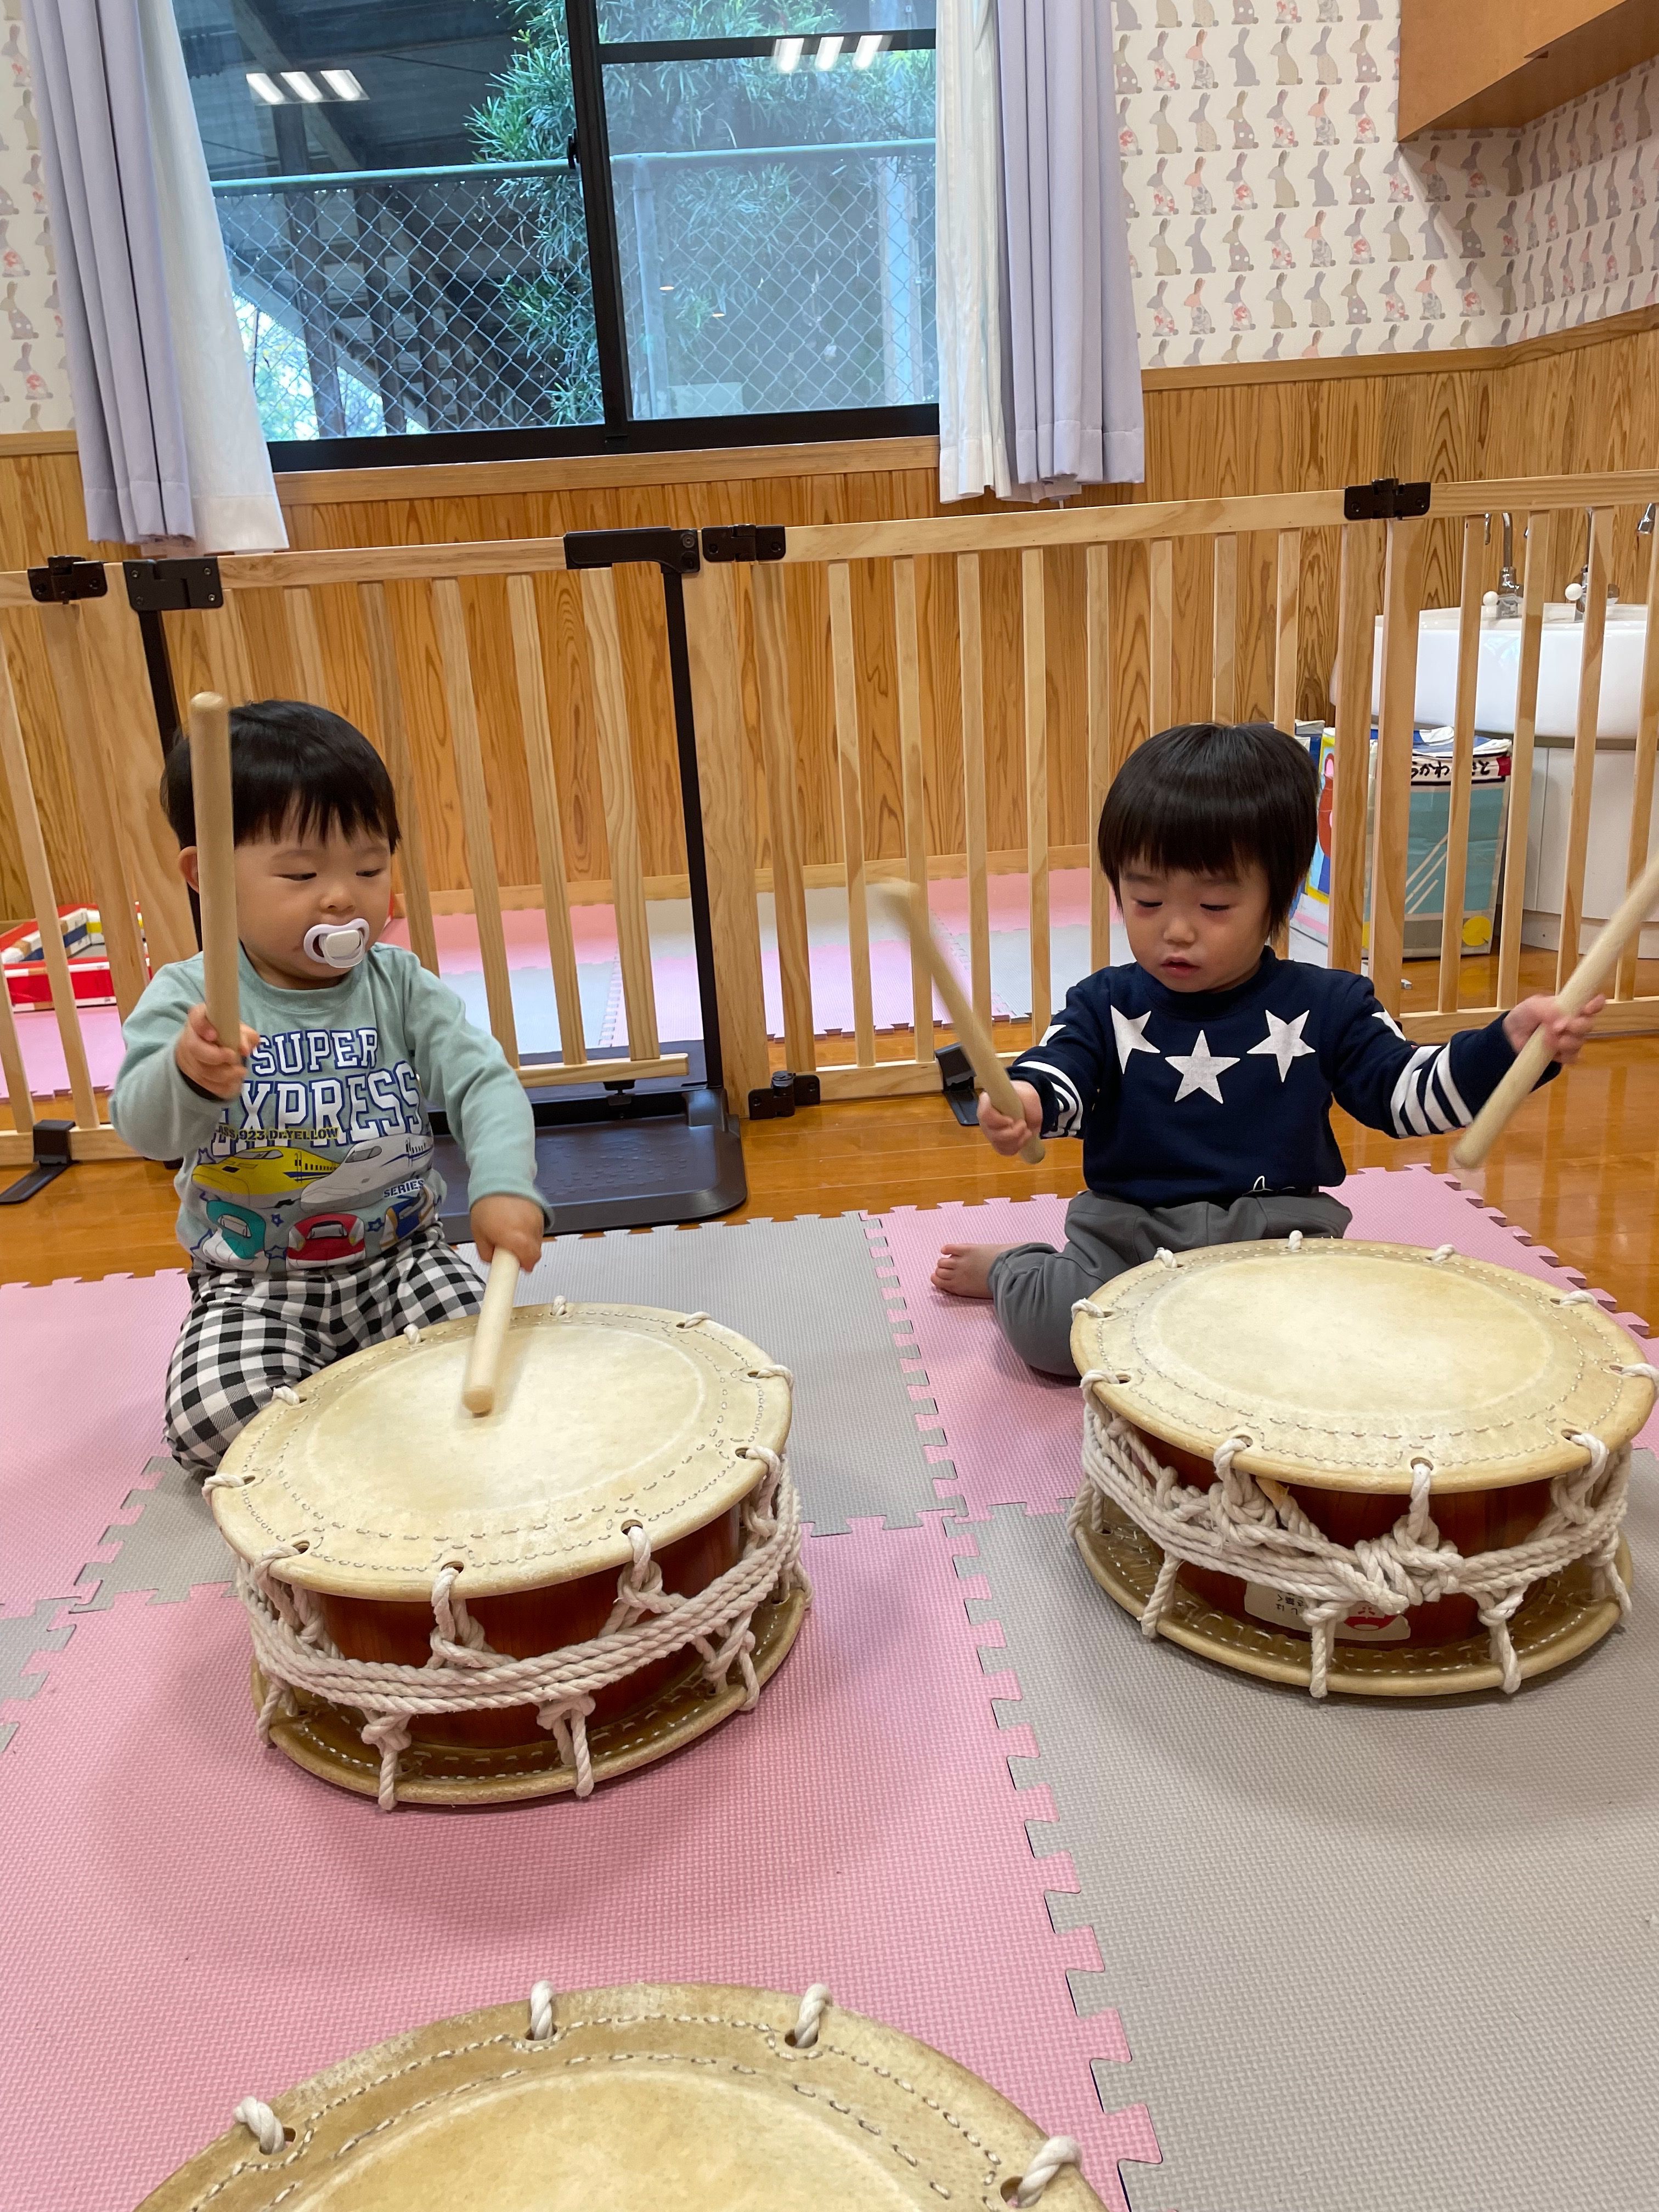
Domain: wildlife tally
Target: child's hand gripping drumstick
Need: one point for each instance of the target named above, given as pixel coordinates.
(1575, 997)
(989, 1070)
(214, 1044)
(484, 1363)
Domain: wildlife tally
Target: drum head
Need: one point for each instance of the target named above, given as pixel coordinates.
(686, 2099)
(605, 1416)
(1343, 1362)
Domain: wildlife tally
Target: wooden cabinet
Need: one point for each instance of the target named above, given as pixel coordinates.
(1477, 64)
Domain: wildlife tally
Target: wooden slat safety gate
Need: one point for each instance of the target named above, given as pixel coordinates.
(906, 700)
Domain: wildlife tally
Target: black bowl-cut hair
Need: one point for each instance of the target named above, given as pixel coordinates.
(295, 770)
(1210, 798)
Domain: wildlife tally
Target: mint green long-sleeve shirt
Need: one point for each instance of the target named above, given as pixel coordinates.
(326, 1155)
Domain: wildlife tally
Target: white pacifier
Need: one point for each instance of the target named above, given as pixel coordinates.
(337, 944)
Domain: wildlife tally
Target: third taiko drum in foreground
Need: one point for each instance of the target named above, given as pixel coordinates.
(1358, 1467)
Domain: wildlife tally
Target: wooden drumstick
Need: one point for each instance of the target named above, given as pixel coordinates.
(215, 863)
(483, 1361)
(988, 1071)
(1585, 981)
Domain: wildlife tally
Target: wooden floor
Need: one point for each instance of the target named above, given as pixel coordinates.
(1578, 1170)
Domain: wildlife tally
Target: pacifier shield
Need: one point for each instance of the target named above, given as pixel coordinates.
(337, 944)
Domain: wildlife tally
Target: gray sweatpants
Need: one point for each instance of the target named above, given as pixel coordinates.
(1033, 1287)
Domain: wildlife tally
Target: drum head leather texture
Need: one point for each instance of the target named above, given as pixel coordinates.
(686, 2098)
(605, 1415)
(1343, 1362)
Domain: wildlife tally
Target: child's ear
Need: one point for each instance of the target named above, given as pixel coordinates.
(187, 867)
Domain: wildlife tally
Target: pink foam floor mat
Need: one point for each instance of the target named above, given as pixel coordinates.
(960, 1356)
(190, 1918)
(81, 1370)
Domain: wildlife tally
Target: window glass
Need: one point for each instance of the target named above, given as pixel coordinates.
(399, 190)
(775, 232)
(395, 270)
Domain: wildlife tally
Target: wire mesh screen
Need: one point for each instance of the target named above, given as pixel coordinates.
(767, 281)
(459, 300)
(414, 302)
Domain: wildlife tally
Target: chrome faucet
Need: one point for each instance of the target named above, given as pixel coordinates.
(1645, 527)
(1578, 592)
(1509, 584)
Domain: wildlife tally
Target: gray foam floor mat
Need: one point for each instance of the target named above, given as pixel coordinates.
(171, 1547)
(24, 1637)
(807, 1292)
(1368, 1957)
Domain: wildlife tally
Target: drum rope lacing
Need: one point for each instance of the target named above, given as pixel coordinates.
(1235, 1528)
(1050, 2158)
(295, 1652)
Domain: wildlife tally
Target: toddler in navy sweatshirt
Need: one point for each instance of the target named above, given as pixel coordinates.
(1201, 1076)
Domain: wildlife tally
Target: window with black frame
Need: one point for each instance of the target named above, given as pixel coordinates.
(506, 226)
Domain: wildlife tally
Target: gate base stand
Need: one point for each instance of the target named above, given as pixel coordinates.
(635, 1159)
(52, 1156)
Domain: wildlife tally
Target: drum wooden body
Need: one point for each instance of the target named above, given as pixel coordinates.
(687, 2098)
(617, 1431)
(1362, 1448)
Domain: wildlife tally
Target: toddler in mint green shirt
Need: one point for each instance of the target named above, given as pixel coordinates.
(307, 1195)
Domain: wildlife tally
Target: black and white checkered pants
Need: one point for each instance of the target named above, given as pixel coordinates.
(246, 1335)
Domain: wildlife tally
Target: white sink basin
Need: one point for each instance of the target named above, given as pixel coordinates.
(1561, 651)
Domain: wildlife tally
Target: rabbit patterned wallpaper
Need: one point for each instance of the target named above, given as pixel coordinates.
(33, 376)
(1275, 218)
(1272, 214)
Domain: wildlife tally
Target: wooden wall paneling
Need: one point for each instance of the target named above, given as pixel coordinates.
(1036, 660)
(1160, 634)
(1224, 650)
(941, 704)
(230, 667)
(1001, 636)
(811, 695)
(1065, 618)
(650, 692)
(1102, 764)
(1647, 742)
(461, 702)
(43, 900)
(114, 660)
(1287, 628)
(1132, 664)
(52, 768)
(970, 618)
(1538, 547)
(1463, 767)
(1350, 762)
(391, 729)
(1595, 604)
(769, 600)
(575, 738)
(907, 638)
(1402, 594)
(882, 772)
(95, 787)
(535, 731)
(844, 650)
(621, 835)
(306, 645)
(728, 826)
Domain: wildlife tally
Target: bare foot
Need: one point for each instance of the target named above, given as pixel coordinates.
(964, 1270)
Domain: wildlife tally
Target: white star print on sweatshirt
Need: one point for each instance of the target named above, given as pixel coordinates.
(1207, 1095)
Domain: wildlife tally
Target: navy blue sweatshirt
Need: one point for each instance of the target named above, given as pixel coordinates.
(1183, 1095)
